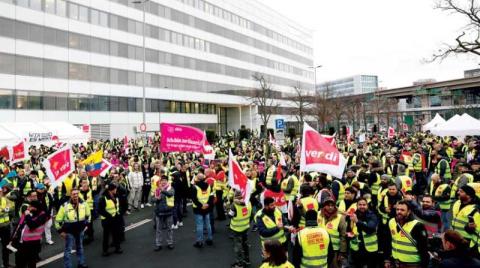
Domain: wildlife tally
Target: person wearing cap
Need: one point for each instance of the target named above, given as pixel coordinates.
(351, 158)
(164, 204)
(202, 198)
(4, 222)
(71, 220)
(239, 214)
(362, 232)
(46, 200)
(29, 234)
(311, 244)
(109, 210)
(334, 223)
(466, 217)
(408, 240)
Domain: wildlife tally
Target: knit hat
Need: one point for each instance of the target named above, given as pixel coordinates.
(468, 190)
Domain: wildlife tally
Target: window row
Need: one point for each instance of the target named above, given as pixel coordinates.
(50, 36)
(30, 66)
(245, 23)
(53, 101)
(186, 19)
(90, 15)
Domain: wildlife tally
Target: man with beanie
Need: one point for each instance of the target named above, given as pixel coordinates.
(312, 244)
(465, 215)
(270, 222)
(335, 224)
(239, 224)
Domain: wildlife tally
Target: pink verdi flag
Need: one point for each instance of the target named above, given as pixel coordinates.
(59, 165)
(179, 138)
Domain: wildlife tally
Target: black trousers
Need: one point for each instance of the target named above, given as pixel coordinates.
(89, 232)
(219, 206)
(111, 228)
(5, 237)
(26, 256)
(145, 194)
(362, 257)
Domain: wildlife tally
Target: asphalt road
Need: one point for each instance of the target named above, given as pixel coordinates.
(139, 245)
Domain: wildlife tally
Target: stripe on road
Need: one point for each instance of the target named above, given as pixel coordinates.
(60, 255)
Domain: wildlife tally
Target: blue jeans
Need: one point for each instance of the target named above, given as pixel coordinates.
(446, 219)
(71, 240)
(200, 222)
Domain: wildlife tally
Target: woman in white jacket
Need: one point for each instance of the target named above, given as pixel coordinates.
(135, 178)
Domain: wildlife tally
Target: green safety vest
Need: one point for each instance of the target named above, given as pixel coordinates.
(280, 235)
(376, 185)
(448, 173)
(460, 218)
(241, 222)
(314, 242)
(332, 229)
(403, 249)
(4, 212)
(111, 207)
(444, 205)
(202, 196)
(68, 214)
(453, 192)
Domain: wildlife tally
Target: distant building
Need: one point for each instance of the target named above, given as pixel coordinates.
(471, 73)
(353, 85)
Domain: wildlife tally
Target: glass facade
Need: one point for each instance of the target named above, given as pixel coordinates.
(53, 101)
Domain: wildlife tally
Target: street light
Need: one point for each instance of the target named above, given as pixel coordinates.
(315, 75)
(143, 2)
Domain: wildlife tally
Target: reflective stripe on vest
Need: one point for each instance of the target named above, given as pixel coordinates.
(402, 249)
(460, 219)
(111, 207)
(332, 229)
(444, 205)
(376, 185)
(202, 196)
(448, 174)
(241, 221)
(314, 242)
(4, 217)
(280, 235)
(73, 215)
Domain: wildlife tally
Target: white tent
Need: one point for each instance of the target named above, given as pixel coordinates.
(66, 132)
(458, 126)
(46, 133)
(7, 138)
(437, 120)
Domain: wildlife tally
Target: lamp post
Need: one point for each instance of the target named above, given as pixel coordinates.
(315, 80)
(143, 3)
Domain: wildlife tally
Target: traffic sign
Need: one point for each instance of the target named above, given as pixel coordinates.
(279, 124)
(143, 127)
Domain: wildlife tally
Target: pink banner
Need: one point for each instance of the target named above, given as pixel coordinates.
(179, 138)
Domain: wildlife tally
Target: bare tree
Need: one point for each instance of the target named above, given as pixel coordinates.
(337, 110)
(263, 98)
(353, 110)
(322, 105)
(468, 42)
(302, 102)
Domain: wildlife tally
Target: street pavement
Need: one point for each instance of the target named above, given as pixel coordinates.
(139, 245)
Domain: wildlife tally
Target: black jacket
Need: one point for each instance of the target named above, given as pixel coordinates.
(198, 209)
(458, 258)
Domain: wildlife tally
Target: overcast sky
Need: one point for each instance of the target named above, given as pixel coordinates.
(381, 37)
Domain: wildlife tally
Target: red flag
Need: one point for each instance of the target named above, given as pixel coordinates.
(330, 139)
(5, 153)
(279, 172)
(125, 144)
(59, 165)
(237, 179)
(391, 132)
(19, 152)
(320, 155)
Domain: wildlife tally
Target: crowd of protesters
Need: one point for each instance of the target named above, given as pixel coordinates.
(407, 201)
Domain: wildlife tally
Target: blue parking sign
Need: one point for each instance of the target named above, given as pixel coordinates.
(279, 123)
